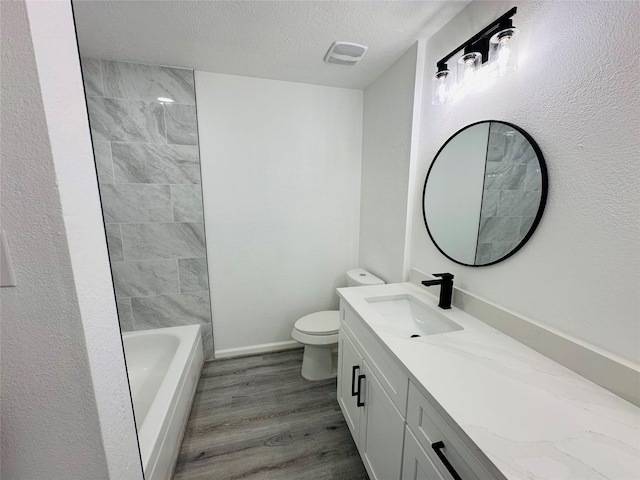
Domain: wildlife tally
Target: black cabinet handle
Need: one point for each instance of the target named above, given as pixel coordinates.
(437, 447)
(359, 402)
(353, 380)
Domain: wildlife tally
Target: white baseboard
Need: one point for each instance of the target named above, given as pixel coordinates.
(253, 349)
(616, 374)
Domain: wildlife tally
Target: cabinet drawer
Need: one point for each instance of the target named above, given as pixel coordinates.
(416, 464)
(392, 378)
(428, 427)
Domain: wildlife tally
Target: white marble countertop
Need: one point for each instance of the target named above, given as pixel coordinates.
(532, 417)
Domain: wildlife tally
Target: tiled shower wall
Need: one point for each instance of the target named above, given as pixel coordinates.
(143, 124)
(512, 190)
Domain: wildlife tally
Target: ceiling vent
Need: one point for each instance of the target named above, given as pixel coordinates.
(344, 53)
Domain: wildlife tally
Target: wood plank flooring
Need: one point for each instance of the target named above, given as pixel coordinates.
(255, 417)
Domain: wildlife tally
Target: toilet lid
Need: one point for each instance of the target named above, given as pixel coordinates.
(319, 323)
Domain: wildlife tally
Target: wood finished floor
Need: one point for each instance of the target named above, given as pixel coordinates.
(256, 418)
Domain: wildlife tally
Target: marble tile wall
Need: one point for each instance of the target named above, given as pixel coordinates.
(511, 196)
(146, 153)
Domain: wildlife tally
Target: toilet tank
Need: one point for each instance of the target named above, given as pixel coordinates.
(359, 277)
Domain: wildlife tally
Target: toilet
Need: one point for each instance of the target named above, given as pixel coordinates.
(319, 333)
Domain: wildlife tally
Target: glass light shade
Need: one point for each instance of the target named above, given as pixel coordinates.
(503, 52)
(468, 66)
(442, 84)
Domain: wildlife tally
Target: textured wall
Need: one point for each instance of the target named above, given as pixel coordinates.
(56, 422)
(386, 148)
(148, 167)
(281, 176)
(576, 93)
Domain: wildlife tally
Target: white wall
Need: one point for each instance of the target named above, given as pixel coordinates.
(66, 410)
(576, 93)
(386, 150)
(281, 188)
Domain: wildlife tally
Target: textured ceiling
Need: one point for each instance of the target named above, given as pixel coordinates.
(282, 40)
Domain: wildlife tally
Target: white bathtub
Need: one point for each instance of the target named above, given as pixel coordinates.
(164, 366)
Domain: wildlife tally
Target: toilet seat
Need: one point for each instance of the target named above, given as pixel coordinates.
(319, 323)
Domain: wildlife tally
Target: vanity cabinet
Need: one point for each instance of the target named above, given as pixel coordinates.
(440, 447)
(374, 421)
(393, 425)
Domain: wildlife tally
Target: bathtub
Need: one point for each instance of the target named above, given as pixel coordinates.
(164, 366)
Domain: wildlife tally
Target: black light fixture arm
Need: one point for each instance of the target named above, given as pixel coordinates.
(480, 41)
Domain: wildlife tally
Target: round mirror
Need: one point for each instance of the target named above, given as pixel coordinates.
(485, 193)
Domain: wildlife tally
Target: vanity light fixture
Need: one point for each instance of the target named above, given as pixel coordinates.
(165, 100)
(496, 44)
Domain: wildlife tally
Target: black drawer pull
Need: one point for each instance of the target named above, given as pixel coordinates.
(353, 380)
(358, 401)
(437, 447)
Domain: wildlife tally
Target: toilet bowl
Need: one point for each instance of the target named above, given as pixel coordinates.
(319, 333)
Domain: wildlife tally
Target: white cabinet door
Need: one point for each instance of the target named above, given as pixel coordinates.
(416, 464)
(350, 367)
(382, 431)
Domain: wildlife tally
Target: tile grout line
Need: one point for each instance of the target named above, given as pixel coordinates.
(164, 118)
(179, 279)
(159, 259)
(113, 169)
(167, 293)
(121, 240)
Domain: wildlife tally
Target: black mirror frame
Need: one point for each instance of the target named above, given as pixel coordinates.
(543, 191)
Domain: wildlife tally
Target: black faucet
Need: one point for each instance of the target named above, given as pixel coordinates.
(446, 288)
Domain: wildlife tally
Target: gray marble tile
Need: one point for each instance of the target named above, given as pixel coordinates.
(150, 241)
(506, 144)
(525, 225)
(136, 81)
(533, 181)
(171, 310)
(114, 120)
(114, 242)
(504, 176)
(193, 274)
(490, 203)
(136, 203)
(518, 203)
(149, 277)
(500, 249)
(124, 314)
(496, 148)
(521, 151)
(104, 165)
(92, 76)
(483, 254)
(206, 330)
(140, 163)
(497, 229)
(187, 203)
(181, 124)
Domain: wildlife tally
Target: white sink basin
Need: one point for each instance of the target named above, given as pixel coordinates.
(408, 317)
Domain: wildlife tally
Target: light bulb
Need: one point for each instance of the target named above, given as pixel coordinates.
(441, 88)
(468, 66)
(503, 52)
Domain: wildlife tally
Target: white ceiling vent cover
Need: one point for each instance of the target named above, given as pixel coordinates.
(344, 53)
